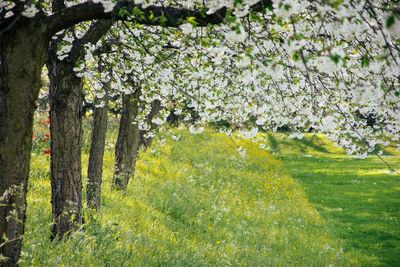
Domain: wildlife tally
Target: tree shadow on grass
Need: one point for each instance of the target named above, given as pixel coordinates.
(304, 145)
(273, 143)
(315, 142)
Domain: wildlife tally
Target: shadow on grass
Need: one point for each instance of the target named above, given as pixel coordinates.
(273, 143)
(315, 143)
(308, 144)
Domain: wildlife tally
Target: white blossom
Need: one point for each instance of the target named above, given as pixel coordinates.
(328, 124)
(187, 28)
(238, 35)
(328, 65)
(30, 11)
(157, 121)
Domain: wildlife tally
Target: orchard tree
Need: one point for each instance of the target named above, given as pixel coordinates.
(97, 146)
(329, 65)
(138, 111)
(66, 122)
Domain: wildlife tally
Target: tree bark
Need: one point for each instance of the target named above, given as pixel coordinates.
(127, 146)
(66, 139)
(95, 166)
(21, 63)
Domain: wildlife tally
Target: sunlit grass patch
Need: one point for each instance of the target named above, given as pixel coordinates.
(358, 198)
(196, 201)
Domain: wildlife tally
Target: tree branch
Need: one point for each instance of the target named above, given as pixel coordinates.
(151, 15)
(95, 32)
(57, 5)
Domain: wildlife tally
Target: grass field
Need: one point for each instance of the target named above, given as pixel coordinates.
(359, 198)
(199, 202)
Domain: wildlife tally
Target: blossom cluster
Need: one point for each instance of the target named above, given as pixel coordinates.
(306, 65)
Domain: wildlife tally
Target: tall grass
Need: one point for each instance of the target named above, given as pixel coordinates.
(192, 202)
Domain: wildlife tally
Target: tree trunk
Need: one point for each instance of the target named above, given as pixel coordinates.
(95, 166)
(155, 109)
(127, 146)
(21, 63)
(66, 130)
(66, 138)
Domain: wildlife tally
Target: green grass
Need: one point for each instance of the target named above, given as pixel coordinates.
(193, 202)
(359, 198)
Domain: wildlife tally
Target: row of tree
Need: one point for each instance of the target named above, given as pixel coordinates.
(326, 65)
(28, 36)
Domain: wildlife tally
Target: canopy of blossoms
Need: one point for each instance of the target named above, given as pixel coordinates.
(330, 66)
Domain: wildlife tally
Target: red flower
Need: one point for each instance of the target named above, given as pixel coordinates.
(48, 121)
(45, 124)
(33, 137)
(47, 135)
(47, 151)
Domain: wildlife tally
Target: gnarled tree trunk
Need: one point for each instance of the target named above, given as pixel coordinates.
(21, 63)
(95, 166)
(127, 146)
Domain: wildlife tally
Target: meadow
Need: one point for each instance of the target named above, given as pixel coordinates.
(198, 201)
(360, 198)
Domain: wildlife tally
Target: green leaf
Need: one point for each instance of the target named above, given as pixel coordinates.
(253, 17)
(238, 2)
(192, 20)
(137, 11)
(365, 61)
(390, 21)
(335, 58)
(296, 56)
(229, 17)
